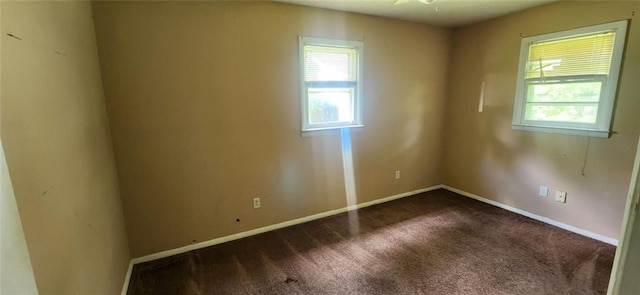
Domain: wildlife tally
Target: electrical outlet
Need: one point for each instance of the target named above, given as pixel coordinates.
(561, 196)
(543, 191)
(398, 174)
(256, 203)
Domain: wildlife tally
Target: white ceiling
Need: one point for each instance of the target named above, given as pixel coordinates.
(446, 13)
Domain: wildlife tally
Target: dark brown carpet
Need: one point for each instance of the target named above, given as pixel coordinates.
(432, 243)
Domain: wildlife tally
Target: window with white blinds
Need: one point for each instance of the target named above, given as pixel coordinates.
(579, 56)
(567, 80)
(331, 83)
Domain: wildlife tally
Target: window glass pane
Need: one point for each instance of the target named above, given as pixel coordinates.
(583, 55)
(582, 113)
(329, 63)
(330, 105)
(564, 92)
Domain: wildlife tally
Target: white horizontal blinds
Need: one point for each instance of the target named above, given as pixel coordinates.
(577, 56)
(324, 63)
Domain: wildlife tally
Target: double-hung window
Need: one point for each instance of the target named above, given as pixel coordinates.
(331, 83)
(567, 80)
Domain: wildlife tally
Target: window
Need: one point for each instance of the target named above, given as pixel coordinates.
(331, 83)
(567, 80)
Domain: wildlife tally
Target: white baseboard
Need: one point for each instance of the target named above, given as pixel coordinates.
(547, 220)
(127, 278)
(256, 231)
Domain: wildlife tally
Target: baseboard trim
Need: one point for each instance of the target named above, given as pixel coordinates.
(127, 278)
(547, 220)
(272, 227)
(260, 230)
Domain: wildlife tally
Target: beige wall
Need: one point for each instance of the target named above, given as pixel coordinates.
(204, 105)
(485, 157)
(58, 148)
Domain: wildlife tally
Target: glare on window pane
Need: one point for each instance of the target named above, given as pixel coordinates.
(562, 113)
(565, 92)
(330, 105)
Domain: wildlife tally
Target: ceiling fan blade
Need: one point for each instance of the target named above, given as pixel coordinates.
(427, 1)
(398, 2)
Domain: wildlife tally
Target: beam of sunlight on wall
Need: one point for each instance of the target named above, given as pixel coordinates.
(349, 179)
(417, 111)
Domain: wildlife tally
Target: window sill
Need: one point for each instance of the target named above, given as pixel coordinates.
(327, 130)
(560, 130)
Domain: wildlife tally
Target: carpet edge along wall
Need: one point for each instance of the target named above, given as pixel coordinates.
(437, 242)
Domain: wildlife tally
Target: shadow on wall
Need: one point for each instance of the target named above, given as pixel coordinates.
(505, 153)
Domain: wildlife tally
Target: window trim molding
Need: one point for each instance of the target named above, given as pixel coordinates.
(357, 100)
(602, 127)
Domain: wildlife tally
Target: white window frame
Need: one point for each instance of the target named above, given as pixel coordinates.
(304, 85)
(602, 126)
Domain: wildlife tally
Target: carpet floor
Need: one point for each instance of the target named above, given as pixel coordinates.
(431, 243)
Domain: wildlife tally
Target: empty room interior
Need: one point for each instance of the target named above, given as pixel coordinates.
(320, 147)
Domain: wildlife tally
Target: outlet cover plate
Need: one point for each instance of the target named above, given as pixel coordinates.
(561, 196)
(544, 191)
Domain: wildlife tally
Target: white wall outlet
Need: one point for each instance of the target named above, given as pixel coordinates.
(256, 203)
(398, 174)
(561, 196)
(543, 191)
